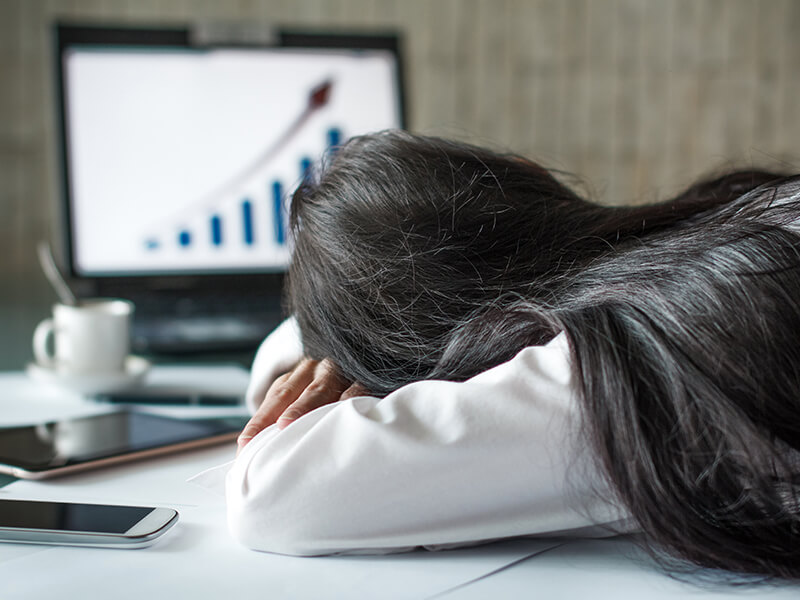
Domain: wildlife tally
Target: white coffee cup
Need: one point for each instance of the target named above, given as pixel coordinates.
(92, 336)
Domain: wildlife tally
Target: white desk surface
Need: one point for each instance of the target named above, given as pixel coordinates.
(198, 559)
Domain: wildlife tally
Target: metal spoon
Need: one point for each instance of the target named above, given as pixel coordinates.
(53, 275)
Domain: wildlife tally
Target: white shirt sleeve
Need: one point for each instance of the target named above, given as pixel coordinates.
(434, 463)
(278, 353)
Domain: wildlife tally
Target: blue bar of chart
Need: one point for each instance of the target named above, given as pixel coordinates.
(216, 230)
(334, 139)
(247, 222)
(277, 213)
(305, 167)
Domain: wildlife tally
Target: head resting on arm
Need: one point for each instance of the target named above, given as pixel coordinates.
(420, 258)
(404, 240)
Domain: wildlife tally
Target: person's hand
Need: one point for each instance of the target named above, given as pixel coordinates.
(309, 385)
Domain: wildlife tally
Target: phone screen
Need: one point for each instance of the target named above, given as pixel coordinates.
(47, 446)
(70, 517)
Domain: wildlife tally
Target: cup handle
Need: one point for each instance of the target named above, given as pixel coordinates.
(41, 337)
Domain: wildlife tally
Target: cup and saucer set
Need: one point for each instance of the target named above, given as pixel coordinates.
(84, 347)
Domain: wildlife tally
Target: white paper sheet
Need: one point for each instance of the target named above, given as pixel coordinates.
(610, 568)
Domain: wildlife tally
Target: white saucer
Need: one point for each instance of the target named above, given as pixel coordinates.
(90, 384)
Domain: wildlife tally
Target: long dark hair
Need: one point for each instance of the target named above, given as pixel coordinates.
(419, 258)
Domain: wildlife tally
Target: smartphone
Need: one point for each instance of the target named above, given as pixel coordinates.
(93, 525)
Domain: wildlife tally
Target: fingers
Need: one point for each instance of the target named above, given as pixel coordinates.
(282, 393)
(354, 390)
(308, 386)
(326, 387)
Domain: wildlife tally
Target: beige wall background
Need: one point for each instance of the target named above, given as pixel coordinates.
(637, 96)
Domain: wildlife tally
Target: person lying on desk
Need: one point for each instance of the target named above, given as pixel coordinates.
(486, 354)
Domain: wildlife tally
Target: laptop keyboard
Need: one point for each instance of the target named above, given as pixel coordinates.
(173, 324)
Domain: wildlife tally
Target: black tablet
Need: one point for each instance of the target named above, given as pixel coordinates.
(61, 447)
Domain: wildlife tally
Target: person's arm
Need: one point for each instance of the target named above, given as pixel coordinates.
(434, 463)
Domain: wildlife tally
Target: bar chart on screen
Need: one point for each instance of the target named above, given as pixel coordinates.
(249, 208)
(250, 212)
(193, 168)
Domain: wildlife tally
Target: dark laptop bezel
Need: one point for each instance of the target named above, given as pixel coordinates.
(267, 285)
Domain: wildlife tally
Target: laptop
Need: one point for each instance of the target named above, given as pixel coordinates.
(180, 150)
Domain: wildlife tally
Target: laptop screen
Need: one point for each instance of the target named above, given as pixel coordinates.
(182, 160)
(180, 150)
